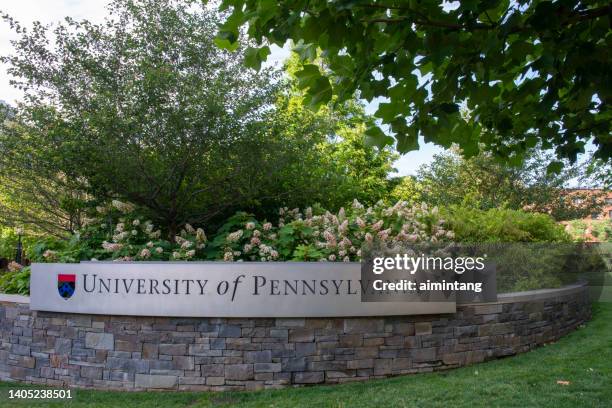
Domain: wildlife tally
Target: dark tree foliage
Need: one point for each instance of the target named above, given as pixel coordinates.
(528, 72)
(485, 183)
(145, 108)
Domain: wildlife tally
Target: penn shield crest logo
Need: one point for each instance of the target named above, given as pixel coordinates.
(66, 284)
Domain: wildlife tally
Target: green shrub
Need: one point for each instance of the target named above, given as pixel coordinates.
(318, 235)
(8, 242)
(592, 230)
(602, 229)
(9, 239)
(17, 283)
(535, 265)
(313, 234)
(528, 266)
(502, 225)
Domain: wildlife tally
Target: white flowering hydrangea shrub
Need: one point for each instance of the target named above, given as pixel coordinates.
(131, 238)
(118, 233)
(190, 244)
(314, 235)
(114, 232)
(242, 237)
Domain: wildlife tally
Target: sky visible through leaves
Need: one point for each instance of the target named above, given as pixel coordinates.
(49, 11)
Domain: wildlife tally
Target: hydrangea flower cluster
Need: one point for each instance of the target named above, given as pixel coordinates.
(190, 242)
(255, 242)
(132, 238)
(308, 235)
(334, 236)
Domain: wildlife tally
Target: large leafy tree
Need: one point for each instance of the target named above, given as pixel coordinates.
(330, 159)
(34, 195)
(529, 72)
(324, 158)
(146, 108)
(485, 183)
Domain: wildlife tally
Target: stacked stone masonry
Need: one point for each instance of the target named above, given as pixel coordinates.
(138, 353)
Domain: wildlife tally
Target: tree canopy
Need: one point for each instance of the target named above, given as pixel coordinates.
(145, 108)
(484, 183)
(528, 72)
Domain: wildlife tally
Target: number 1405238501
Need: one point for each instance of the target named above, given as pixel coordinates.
(40, 394)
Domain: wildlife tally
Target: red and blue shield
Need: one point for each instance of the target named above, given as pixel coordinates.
(66, 284)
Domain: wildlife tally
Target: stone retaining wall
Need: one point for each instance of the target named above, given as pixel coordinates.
(135, 353)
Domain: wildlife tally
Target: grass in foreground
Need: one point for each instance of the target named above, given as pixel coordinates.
(584, 358)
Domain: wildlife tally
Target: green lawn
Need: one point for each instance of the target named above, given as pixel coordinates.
(584, 358)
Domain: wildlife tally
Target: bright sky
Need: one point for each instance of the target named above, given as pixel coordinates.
(51, 11)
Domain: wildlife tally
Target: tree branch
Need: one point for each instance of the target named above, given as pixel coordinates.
(423, 20)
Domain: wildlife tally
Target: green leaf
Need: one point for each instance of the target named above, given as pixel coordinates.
(535, 52)
(374, 136)
(319, 88)
(308, 75)
(449, 107)
(404, 89)
(227, 40)
(408, 141)
(342, 65)
(253, 57)
(494, 10)
(554, 167)
(319, 93)
(266, 10)
(387, 112)
(307, 52)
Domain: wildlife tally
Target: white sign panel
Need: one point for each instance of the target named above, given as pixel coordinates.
(212, 289)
